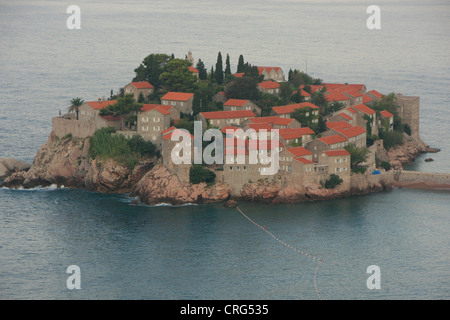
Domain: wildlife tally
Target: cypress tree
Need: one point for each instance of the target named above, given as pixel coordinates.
(219, 69)
(227, 66)
(241, 64)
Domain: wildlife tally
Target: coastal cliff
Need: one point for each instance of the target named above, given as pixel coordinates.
(66, 162)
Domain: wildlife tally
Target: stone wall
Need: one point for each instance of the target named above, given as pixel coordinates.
(80, 129)
(423, 177)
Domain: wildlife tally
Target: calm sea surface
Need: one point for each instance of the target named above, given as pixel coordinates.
(208, 251)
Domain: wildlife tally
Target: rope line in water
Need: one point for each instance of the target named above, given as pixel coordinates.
(290, 247)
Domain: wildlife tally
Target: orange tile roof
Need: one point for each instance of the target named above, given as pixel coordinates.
(235, 102)
(303, 160)
(338, 124)
(292, 133)
(177, 96)
(386, 114)
(345, 116)
(336, 96)
(350, 132)
(332, 139)
(314, 87)
(364, 108)
(228, 114)
(102, 104)
(366, 99)
(376, 93)
(274, 120)
(260, 126)
(229, 128)
(269, 85)
(292, 107)
(167, 134)
(192, 69)
(336, 153)
(299, 151)
(142, 85)
(268, 69)
(164, 109)
(239, 75)
(350, 109)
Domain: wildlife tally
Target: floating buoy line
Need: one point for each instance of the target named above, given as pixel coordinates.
(319, 261)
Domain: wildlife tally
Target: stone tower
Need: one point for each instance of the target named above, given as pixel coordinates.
(409, 111)
(190, 58)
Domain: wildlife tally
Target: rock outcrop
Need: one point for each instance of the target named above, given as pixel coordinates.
(407, 152)
(160, 186)
(8, 166)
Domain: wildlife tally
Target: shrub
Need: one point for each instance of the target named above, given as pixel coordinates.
(385, 165)
(359, 170)
(391, 139)
(333, 181)
(198, 174)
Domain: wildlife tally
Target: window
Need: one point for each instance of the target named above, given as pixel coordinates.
(154, 138)
(238, 168)
(308, 169)
(156, 119)
(337, 160)
(244, 168)
(231, 168)
(338, 169)
(127, 90)
(156, 128)
(144, 119)
(144, 128)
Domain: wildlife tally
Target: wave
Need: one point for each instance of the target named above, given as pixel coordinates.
(38, 188)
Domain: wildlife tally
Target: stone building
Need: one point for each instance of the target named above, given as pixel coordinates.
(386, 121)
(319, 145)
(240, 105)
(285, 111)
(221, 119)
(271, 87)
(272, 73)
(137, 88)
(276, 122)
(154, 119)
(409, 112)
(180, 100)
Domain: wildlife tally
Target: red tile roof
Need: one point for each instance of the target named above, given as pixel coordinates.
(229, 128)
(167, 134)
(142, 85)
(164, 109)
(268, 69)
(274, 120)
(338, 124)
(303, 160)
(376, 93)
(343, 86)
(350, 109)
(314, 87)
(102, 104)
(366, 99)
(364, 108)
(269, 85)
(336, 153)
(336, 96)
(332, 139)
(235, 102)
(228, 114)
(192, 69)
(239, 75)
(260, 126)
(263, 144)
(292, 107)
(386, 114)
(293, 133)
(350, 132)
(299, 151)
(177, 96)
(345, 116)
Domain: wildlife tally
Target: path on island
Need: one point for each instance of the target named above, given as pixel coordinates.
(319, 261)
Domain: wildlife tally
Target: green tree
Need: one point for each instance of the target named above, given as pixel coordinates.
(333, 181)
(218, 74)
(227, 66)
(241, 64)
(202, 72)
(177, 76)
(199, 173)
(75, 105)
(243, 88)
(285, 92)
(357, 155)
(124, 107)
(151, 68)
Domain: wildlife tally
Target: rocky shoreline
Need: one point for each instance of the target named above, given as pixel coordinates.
(65, 162)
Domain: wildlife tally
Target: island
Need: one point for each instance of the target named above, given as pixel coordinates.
(332, 139)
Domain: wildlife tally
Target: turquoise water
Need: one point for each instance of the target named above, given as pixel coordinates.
(209, 251)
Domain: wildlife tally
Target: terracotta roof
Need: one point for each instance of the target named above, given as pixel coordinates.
(336, 153)
(269, 85)
(350, 132)
(292, 133)
(338, 124)
(229, 128)
(303, 160)
(345, 116)
(336, 96)
(332, 139)
(177, 96)
(314, 87)
(376, 93)
(364, 108)
(366, 99)
(192, 69)
(228, 114)
(260, 126)
(102, 104)
(235, 102)
(274, 120)
(353, 93)
(164, 109)
(142, 85)
(386, 114)
(343, 86)
(350, 109)
(167, 134)
(299, 151)
(268, 69)
(239, 75)
(263, 144)
(292, 107)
